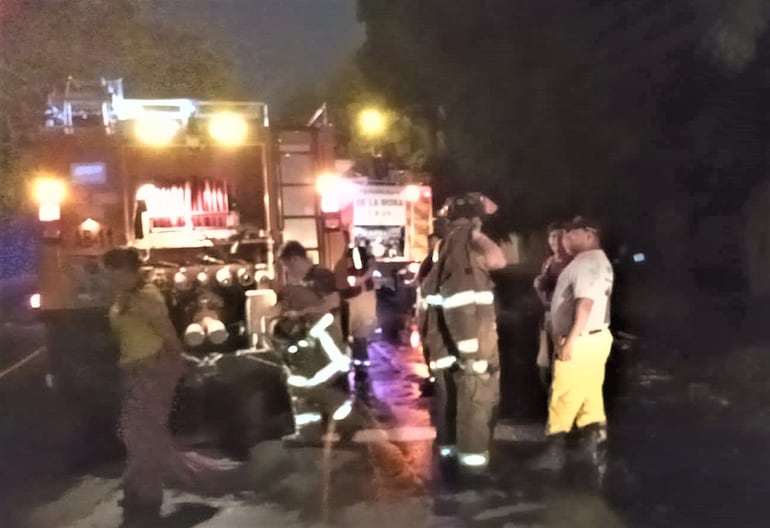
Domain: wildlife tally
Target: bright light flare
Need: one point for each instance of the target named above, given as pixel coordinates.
(412, 193)
(372, 122)
(49, 212)
(156, 131)
(229, 129)
(34, 301)
(328, 182)
(146, 192)
(329, 187)
(49, 190)
(90, 225)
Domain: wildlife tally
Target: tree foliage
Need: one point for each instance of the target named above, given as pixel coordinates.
(580, 106)
(42, 42)
(407, 139)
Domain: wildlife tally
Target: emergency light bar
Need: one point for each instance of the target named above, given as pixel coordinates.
(132, 109)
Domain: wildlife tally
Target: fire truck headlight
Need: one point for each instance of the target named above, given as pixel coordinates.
(203, 278)
(156, 131)
(181, 282)
(225, 277)
(229, 129)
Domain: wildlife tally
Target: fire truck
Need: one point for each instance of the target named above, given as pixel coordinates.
(205, 191)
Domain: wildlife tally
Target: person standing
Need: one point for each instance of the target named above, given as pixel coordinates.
(354, 274)
(544, 285)
(461, 335)
(580, 318)
(151, 365)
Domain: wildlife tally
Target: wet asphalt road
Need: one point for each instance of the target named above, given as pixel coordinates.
(681, 455)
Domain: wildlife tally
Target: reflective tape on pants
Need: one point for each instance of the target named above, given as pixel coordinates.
(442, 363)
(473, 459)
(468, 346)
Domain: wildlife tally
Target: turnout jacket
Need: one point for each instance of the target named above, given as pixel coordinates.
(457, 307)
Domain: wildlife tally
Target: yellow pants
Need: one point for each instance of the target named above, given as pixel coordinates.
(576, 390)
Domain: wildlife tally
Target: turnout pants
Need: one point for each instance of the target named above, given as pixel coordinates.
(148, 393)
(576, 389)
(326, 397)
(466, 408)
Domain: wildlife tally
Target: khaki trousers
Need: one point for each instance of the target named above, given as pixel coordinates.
(151, 457)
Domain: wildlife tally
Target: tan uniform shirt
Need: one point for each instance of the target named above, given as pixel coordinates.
(588, 276)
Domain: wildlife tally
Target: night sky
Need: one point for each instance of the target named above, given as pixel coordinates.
(279, 46)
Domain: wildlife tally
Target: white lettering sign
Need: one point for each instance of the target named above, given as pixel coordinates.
(379, 206)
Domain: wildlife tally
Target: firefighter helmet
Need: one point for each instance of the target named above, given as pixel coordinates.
(469, 205)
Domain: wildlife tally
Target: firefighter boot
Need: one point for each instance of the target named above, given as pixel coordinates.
(138, 513)
(555, 455)
(592, 449)
(447, 476)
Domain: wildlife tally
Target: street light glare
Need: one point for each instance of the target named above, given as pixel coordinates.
(372, 122)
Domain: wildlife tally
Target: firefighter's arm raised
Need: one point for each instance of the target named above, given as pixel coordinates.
(326, 288)
(492, 256)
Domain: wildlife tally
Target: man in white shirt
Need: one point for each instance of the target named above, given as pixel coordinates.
(580, 316)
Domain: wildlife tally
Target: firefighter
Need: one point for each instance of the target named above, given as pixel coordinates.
(354, 279)
(580, 318)
(151, 365)
(461, 334)
(307, 320)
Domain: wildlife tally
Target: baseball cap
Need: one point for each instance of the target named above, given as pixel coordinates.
(583, 222)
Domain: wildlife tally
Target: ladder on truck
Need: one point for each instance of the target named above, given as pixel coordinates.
(84, 104)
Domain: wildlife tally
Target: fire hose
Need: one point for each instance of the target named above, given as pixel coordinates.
(21, 362)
